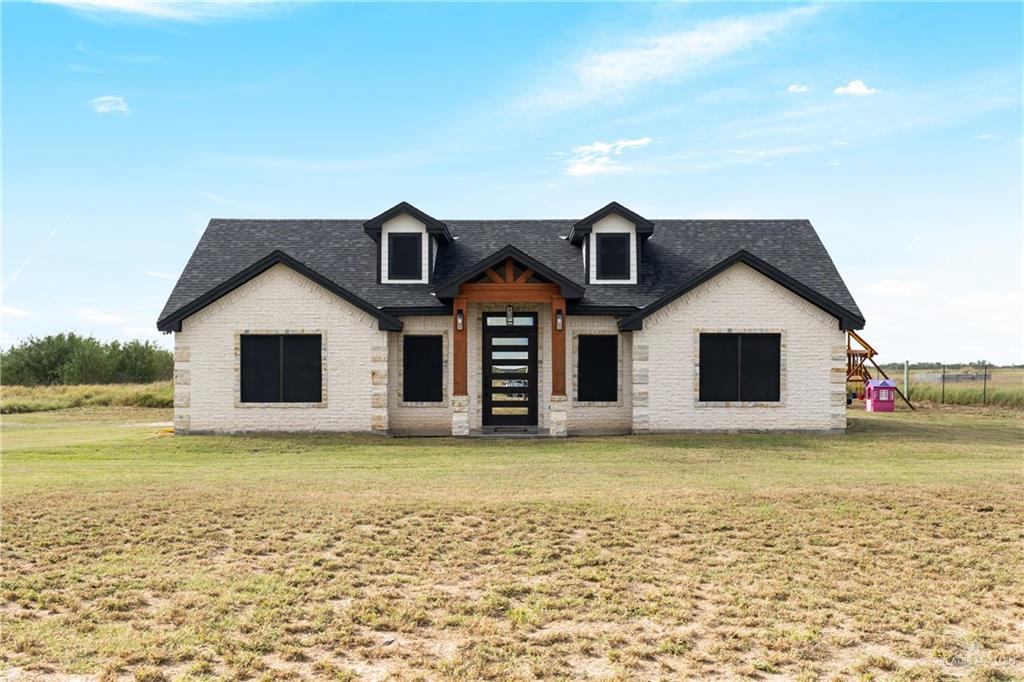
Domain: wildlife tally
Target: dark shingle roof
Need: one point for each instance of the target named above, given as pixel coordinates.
(342, 252)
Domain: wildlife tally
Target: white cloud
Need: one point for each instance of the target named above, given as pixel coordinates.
(796, 87)
(79, 68)
(161, 275)
(896, 287)
(986, 136)
(857, 88)
(598, 158)
(109, 104)
(609, 75)
(94, 315)
(183, 10)
(989, 298)
(11, 311)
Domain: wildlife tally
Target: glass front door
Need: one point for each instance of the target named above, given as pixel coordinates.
(510, 370)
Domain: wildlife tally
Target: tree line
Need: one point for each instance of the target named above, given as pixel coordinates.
(73, 359)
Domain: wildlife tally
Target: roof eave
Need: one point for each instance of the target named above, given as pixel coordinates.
(644, 227)
(450, 288)
(847, 319)
(172, 322)
(435, 227)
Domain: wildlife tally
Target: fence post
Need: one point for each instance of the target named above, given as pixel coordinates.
(942, 400)
(906, 378)
(984, 382)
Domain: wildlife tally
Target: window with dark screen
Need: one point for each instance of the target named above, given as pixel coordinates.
(613, 256)
(422, 369)
(598, 368)
(740, 367)
(281, 368)
(405, 255)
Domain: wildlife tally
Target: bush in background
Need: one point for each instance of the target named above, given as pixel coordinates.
(66, 359)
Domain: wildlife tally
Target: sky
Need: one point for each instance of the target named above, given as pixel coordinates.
(895, 128)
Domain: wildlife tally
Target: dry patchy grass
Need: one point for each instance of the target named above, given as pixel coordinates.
(670, 557)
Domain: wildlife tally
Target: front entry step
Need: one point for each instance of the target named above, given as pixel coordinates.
(508, 432)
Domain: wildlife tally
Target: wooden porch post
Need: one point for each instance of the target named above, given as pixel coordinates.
(558, 345)
(459, 336)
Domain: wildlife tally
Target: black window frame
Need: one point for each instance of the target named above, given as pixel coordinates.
(602, 240)
(393, 239)
(287, 362)
(722, 362)
(595, 389)
(422, 375)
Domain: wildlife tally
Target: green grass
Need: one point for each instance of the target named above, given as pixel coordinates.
(893, 551)
(22, 399)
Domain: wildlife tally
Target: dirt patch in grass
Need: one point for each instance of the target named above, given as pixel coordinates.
(321, 571)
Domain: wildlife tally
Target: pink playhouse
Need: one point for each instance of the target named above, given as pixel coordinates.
(880, 395)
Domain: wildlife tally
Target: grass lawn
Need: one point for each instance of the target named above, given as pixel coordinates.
(894, 551)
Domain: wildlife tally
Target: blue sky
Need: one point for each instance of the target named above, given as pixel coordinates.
(895, 128)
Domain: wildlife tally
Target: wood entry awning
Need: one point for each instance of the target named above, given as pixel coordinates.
(509, 282)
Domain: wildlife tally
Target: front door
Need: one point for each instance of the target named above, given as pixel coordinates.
(510, 370)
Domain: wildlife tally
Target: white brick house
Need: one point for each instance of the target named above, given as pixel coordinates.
(407, 325)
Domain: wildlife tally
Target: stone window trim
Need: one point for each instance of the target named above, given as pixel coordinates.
(576, 370)
(238, 333)
(739, 403)
(444, 402)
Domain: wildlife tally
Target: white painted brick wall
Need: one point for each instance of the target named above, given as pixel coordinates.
(740, 299)
(424, 419)
(206, 360)
(363, 373)
(603, 417)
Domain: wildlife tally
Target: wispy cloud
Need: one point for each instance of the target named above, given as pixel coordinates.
(896, 287)
(601, 157)
(611, 75)
(986, 136)
(93, 315)
(11, 311)
(797, 88)
(183, 10)
(161, 275)
(110, 104)
(855, 88)
(79, 68)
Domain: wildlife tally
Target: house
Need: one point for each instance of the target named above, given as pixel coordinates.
(406, 324)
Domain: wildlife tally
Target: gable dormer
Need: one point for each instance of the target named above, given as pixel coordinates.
(611, 240)
(407, 241)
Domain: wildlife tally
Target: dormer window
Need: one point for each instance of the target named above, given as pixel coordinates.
(611, 241)
(613, 255)
(407, 244)
(405, 256)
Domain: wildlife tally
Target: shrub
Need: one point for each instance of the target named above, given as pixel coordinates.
(65, 359)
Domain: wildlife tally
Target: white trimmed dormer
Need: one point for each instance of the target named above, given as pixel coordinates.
(407, 242)
(611, 241)
(405, 251)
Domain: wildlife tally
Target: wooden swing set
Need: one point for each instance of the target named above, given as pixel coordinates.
(856, 371)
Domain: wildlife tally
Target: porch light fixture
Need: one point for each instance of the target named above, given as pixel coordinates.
(559, 320)
(458, 320)
(508, 315)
